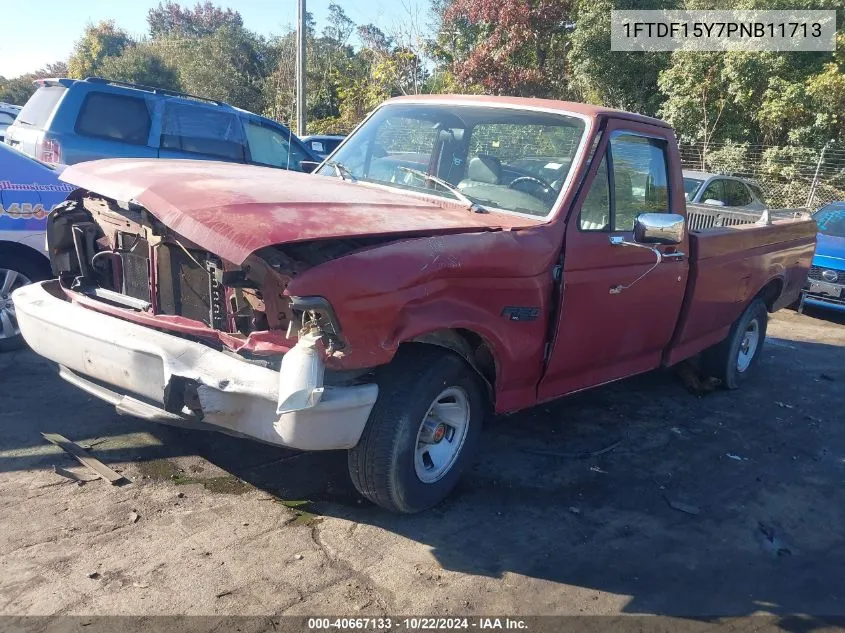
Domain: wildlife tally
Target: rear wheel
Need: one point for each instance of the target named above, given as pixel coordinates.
(422, 431)
(732, 360)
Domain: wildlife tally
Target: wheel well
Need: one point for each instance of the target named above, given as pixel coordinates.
(771, 292)
(21, 250)
(470, 346)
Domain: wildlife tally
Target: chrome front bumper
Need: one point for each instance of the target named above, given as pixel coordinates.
(164, 378)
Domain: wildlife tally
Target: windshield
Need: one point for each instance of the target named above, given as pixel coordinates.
(691, 187)
(831, 219)
(502, 158)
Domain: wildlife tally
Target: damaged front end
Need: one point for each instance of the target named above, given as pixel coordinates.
(166, 330)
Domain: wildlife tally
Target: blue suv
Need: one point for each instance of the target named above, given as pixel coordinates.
(68, 121)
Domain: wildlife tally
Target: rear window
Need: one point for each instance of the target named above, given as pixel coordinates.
(115, 117)
(5, 117)
(200, 130)
(41, 105)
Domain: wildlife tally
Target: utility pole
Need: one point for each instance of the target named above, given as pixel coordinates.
(300, 68)
(815, 183)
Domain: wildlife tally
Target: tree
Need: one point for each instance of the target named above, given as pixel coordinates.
(54, 69)
(227, 65)
(627, 81)
(97, 43)
(18, 90)
(170, 19)
(140, 64)
(697, 96)
(507, 46)
(340, 26)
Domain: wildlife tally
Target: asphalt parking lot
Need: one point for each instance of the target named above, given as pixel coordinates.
(727, 504)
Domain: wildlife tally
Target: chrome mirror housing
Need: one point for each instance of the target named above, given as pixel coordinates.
(659, 228)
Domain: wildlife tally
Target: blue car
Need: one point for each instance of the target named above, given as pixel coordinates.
(29, 189)
(68, 121)
(826, 282)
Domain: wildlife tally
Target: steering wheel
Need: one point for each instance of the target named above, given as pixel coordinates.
(545, 189)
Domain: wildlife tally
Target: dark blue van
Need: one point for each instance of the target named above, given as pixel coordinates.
(68, 121)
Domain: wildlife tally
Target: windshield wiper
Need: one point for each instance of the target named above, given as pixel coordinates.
(341, 170)
(446, 185)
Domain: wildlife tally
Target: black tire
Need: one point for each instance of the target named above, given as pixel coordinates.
(382, 465)
(721, 360)
(31, 268)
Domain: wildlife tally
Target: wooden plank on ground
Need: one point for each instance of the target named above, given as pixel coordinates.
(84, 457)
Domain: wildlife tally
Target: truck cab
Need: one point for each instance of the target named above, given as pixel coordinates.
(454, 257)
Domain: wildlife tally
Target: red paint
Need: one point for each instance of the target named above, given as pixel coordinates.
(455, 270)
(233, 210)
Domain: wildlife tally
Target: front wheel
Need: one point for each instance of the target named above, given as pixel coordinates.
(422, 431)
(15, 271)
(732, 360)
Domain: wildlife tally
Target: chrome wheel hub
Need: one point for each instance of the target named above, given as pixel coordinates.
(9, 280)
(748, 346)
(441, 435)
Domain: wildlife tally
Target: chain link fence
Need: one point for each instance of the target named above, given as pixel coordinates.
(790, 176)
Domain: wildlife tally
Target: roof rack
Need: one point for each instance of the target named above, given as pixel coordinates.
(153, 89)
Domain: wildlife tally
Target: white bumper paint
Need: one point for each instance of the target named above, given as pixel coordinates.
(133, 367)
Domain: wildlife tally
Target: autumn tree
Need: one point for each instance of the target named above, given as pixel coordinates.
(507, 46)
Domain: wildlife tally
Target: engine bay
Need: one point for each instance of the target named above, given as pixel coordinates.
(120, 255)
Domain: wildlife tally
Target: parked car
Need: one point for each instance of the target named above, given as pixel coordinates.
(322, 145)
(8, 112)
(722, 191)
(423, 279)
(29, 189)
(69, 121)
(826, 280)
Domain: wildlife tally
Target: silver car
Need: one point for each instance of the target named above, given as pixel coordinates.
(722, 191)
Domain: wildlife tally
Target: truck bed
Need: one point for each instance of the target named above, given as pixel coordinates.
(731, 264)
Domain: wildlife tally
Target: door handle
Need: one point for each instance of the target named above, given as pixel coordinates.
(676, 255)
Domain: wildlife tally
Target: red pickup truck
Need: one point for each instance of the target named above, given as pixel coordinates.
(453, 257)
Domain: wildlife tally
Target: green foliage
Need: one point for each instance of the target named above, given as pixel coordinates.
(730, 158)
(169, 19)
(19, 89)
(16, 90)
(97, 42)
(548, 48)
(600, 76)
(140, 64)
(227, 65)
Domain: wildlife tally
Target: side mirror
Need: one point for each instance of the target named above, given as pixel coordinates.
(659, 228)
(714, 202)
(308, 166)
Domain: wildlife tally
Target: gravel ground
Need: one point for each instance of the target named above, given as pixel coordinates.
(721, 505)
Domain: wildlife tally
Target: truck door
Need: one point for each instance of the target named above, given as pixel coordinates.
(605, 333)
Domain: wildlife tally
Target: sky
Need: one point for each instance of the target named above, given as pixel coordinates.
(38, 32)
